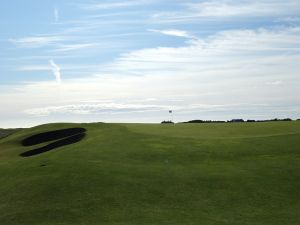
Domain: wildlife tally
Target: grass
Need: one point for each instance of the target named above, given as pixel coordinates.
(6, 132)
(142, 174)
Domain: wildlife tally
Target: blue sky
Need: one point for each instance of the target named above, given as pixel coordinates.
(132, 61)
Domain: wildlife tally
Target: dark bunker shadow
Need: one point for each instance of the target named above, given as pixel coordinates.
(63, 137)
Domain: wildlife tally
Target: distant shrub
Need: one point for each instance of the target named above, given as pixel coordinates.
(236, 121)
(195, 121)
(287, 119)
(167, 122)
(205, 121)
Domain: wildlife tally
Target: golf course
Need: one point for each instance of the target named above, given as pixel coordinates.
(151, 174)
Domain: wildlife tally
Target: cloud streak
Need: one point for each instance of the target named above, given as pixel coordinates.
(71, 47)
(56, 71)
(174, 32)
(113, 4)
(87, 109)
(220, 9)
(56, 14)
(36, 41)
(217, 8)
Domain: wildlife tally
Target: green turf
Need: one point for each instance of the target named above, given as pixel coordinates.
(6, 132)
(138, 174)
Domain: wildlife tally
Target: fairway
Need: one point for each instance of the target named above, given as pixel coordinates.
(154, 174)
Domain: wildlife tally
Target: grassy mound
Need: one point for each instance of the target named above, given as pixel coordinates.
(138, 174)
(6, 132)
(59, 137)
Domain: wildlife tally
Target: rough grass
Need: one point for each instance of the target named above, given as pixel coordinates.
(138, 174)
(6, 132)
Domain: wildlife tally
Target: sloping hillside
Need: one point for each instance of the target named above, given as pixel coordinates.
(6, 132)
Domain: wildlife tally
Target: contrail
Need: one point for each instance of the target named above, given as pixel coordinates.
(56, 71)
(56, 14)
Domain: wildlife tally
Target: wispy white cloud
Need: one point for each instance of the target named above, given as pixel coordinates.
(174, 32)
(56, 14)
(71, 47)
(218, 9)
(53, 67)
(108, 107)
(56, 71)
(245, 8)
(98, 108)
(113, 4)
(36, 41)
(59, 43)
(235, 49)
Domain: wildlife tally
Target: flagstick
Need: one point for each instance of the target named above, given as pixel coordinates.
(172, 117)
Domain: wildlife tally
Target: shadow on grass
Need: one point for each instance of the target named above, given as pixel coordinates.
(63, 137)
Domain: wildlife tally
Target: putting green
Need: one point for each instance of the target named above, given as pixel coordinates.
(142, 174)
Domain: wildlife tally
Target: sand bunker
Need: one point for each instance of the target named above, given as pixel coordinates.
(61, 138)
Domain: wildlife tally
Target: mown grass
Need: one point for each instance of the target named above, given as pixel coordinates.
(142, 174)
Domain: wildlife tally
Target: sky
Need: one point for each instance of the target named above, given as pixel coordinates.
(134, 60)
